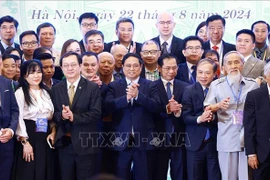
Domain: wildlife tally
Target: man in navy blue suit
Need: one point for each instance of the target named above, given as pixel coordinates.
(201, 128)
(132, 102)
(9, 114)
(169, 123)
(193, 52)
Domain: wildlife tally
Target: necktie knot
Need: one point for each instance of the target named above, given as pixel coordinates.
(193, 67)
(164, 48)
(169, 93)
(215, 47)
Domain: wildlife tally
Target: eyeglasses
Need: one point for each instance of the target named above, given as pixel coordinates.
(191, 48)
(91, 42)
(28, 44)
(212, 29)
(5, 28)
(126, 30)
(91, 25)
(135, 66)
(66, 66)
(165, 22)
(169, 68)
(152, 52)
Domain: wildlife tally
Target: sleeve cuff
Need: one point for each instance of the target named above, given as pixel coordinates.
(198, 119)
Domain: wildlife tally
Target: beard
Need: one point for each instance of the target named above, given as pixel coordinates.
(234, 78)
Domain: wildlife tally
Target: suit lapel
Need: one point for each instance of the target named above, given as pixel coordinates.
(174, 45)
(162, 91)
(177, 90)
(123, 86)
(186, 73)
(78, 92)
(248, 66)
(64, 92)
(199, 91)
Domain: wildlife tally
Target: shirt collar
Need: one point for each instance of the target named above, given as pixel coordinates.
(147, 71)
(190, 65)
(218, 45)
(75, 83)
(169, 41)
(247, 57)
(5, 46)
(135, 81)
(165, 81)
(268, 88)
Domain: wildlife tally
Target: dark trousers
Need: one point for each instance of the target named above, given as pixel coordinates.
(263, 171)
(132, 164)
(76, 167)
(6, 160)
(203, 164)
(173, 156)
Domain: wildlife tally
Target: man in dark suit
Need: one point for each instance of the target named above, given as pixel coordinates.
(77, 104)
(8, 31)
(193, 52)
(9, 114)
(174, 45)
(215, 26)
(132, 101)
(124, 31)
(256, 123)
(201, 128)
(170, 122)
(87, 22)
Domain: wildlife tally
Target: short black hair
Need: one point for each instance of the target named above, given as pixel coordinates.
(210, 61)
(89, 54)
(40, 50)
(9, 19)
(30, 32)
(192, 38)
(93, 32)
(88, 15)
(123, 20)
(44, 56)
(199, 27)
(79, 59)
(214, 18)
(44, 25)
(132, 55)
(8, 56)
(260, 21)
(10, 49)
(246, 31)
(210, 52)
(166, 56)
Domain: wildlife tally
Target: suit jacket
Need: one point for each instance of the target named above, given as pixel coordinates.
(253, 68)
(256, 123)
(227, 47)
(168, 122)
(138, 115)
(82, 46)
(193, 107)
(176, 48)
(86, 108)
(9, 110)
(183, 73)
(108, 46)
(17, 46)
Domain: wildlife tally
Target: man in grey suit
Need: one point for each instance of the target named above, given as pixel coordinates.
(245, 43)
(227, 96)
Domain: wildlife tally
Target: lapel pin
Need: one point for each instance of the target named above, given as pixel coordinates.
(80, 87)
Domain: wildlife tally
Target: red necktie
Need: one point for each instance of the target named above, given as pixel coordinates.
(215, 47)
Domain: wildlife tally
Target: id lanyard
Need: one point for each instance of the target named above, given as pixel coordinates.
(264, 55)
(237, 99)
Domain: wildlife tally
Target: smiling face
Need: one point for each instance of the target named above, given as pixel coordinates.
(46, 37)
(244, 44)
(215, 31)
(34, 77)
(89, 66)
(71, 67)
(165, 24)
(205, 74)
(132, 68)
(125, 32)
(9, 68)
(106, 64)
(233, 64)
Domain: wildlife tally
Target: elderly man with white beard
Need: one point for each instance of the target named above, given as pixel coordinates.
(226, 97)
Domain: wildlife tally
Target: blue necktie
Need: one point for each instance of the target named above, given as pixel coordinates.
(192, 79)
(207, 135)
(169, 93)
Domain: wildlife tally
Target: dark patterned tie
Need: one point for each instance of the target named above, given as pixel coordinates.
(164, 48)
(169, 93)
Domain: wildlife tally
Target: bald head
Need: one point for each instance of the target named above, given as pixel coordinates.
(118, 48)
(118, 51)
(165, 24)
(105, 55)
(106, 64)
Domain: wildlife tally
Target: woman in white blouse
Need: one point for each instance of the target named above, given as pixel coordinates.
(34, 157)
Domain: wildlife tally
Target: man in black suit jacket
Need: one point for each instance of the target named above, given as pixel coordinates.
(87, 22)
(256, 123)
(202, 156)
(170, 122)
(9, 27)
(193, 52)
(165, 25)
(9, 115)
(77, 104)
(132, 101)
(215, 26)
(124, 31)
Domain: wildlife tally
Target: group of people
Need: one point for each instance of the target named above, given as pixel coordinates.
(128, 110)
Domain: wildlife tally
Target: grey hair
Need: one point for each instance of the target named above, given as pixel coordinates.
(233, 52)
(267, 69)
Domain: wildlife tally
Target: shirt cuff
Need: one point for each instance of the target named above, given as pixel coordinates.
(178, 114)
(167, 110)
(12, 132)
(198, 120)
(252, 155)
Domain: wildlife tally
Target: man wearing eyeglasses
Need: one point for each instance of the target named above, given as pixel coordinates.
(150, 54)
(8, 30)
(166, 40)
(87, 21)
(94, 40)
(28, 43)
(193, 52)
(215, 26)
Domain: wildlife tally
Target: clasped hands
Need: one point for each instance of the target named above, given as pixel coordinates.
(132, 91)
(173, 106)
(96, 80)
(67, 113)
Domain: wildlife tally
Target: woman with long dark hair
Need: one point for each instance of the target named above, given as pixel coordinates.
(33, 157)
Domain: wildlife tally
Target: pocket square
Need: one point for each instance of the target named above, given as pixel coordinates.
(6, 90)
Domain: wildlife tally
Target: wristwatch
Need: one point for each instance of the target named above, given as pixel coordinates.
(24, 141)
